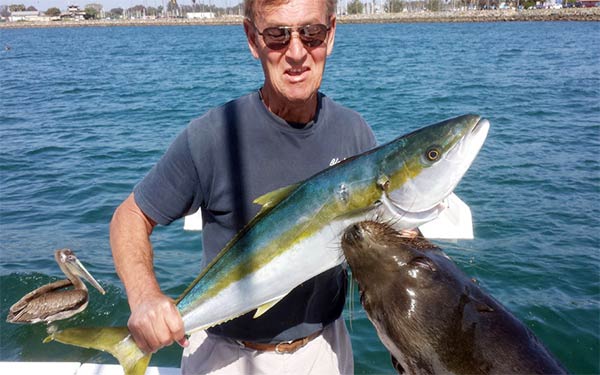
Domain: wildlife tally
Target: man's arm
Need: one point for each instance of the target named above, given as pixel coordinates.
(154, 321)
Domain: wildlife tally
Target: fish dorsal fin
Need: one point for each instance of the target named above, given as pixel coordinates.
(271, 199)
(265, 307)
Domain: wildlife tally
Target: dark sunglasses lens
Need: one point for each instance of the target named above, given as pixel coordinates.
(313, 35)
(276, 37)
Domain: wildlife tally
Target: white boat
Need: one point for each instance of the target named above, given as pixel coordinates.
(74, 368)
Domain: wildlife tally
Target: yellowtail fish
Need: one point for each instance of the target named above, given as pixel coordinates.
(296, 235)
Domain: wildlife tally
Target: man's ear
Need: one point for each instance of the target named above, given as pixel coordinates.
(251, 37)
(331, 36)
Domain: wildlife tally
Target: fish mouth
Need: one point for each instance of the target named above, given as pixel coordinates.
(481, 129)
(482, 125)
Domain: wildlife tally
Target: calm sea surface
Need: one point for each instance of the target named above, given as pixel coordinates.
(85, 112)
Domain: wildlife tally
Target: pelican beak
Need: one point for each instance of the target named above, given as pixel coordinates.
(75, 265)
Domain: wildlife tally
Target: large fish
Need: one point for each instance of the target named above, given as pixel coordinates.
(296, 235)
(430, 315)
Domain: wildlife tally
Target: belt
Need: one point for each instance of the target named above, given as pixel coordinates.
(282, 347)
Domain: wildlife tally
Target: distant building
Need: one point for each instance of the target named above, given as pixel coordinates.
(200, 15)
(74, 13)
(28, 16)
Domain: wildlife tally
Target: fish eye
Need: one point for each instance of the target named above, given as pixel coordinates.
(433, 153)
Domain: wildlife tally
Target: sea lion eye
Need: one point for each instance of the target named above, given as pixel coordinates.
(433, 153)
(423, 263)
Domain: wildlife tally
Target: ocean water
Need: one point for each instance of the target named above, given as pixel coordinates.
(85, 112)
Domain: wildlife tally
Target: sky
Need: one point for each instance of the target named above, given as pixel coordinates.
(43, 5)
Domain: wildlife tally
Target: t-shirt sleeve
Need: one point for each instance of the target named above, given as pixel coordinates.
(367, 137)
(169, 190)
(352, 125)
(364, 137)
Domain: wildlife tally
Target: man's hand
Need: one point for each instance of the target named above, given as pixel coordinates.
(155, 323)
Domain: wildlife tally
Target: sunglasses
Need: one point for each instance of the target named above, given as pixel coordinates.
(277, 38)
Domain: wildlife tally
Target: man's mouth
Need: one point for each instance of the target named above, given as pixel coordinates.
(296, 71)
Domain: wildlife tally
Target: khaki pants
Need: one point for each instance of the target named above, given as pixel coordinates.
(328, 354)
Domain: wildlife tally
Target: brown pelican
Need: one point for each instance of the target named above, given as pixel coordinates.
(52, 302)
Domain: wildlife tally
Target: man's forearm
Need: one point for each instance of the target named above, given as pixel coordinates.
(154, 321)
(132, 251)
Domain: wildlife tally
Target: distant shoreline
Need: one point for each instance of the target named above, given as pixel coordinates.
(570, 14)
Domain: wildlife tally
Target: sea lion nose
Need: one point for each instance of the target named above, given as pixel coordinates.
(354, 232)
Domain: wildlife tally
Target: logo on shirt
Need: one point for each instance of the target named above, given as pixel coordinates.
(334, 161)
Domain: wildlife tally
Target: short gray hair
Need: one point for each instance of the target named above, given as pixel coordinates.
(250, 6)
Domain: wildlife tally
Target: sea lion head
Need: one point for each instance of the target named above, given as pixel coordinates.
(375, 250)
(414, 295)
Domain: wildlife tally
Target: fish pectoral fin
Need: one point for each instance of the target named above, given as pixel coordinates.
(453, 223)
(271, 199)
(114, 340)
(265, 307)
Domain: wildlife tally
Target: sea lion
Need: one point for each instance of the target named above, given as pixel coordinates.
(430, 315)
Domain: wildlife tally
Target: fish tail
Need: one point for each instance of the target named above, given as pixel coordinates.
(114, 340)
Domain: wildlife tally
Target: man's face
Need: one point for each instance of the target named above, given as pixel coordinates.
(293, 74)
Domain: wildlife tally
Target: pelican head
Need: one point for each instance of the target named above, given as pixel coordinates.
(73, 269)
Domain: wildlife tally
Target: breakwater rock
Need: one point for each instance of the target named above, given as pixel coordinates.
(570, 14)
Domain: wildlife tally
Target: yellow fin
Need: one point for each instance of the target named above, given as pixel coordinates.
(272, 198)
(264, 308)
(114, 340)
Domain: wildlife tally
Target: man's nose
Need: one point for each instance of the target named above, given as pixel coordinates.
(296, 49)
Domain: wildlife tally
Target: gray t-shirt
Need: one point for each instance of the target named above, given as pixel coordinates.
(230, 156)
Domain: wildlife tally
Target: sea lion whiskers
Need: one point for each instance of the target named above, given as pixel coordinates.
(350, 299)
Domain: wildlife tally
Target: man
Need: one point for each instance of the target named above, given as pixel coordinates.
(282, 134)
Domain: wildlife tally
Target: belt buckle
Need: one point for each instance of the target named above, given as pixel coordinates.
(283, 352)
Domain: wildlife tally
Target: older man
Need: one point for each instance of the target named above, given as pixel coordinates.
(278, 135)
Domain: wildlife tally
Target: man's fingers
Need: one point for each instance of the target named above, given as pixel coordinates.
(152, 340)
(174, 323)
(139, 336)
(145, 333)
(183, 342)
